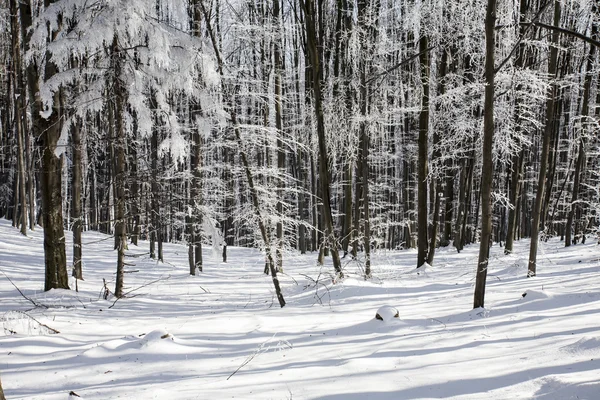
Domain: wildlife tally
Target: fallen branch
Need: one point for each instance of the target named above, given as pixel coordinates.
(52, 330)
(137, 288)
(259, 350)
(35, 303)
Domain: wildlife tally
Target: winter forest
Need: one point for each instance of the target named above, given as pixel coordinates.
(340, 129)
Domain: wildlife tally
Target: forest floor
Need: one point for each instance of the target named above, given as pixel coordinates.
(222, 335)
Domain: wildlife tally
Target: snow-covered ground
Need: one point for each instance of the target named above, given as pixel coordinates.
(222, 335)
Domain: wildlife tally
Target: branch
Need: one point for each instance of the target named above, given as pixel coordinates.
(528, 25)
(138, 288)
(401, 63)
(578, 35)
(35, 303)
(38, 322)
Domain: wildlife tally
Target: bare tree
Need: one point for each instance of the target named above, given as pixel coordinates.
(487, 172)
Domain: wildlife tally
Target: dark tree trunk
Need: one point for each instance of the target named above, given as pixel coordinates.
(514, 196)
(366, 19)
(281, 159)
(20, 121)
(581, 157)
(2, 392)
(548, 133)
(517, 159)
(270, 262)
(437, 181)
(76, 215)
(315, 63)
(487, 171)
(120, 168)
(422, 217)
(47, 130)
(135, 191)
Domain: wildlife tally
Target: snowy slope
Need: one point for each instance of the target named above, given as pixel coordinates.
(221, 335)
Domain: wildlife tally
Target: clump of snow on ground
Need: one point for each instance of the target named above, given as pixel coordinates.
(386, 313)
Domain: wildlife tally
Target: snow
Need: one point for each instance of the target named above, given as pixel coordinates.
(387, 313)
(222, 335)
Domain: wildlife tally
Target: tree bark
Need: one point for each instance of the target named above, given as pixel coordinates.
(308, 7)
(120, 170)
(422, 214)
(437, 181)
(76, 216)
(281, 157)
(548, 133)
(195, 201)
(2, 392)
(487, 171)
(581, 157)
(19, 113)
(47, 128)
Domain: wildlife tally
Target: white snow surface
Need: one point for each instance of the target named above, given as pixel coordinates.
(222, 335)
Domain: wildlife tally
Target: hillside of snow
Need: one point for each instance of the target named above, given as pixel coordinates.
(222, 335)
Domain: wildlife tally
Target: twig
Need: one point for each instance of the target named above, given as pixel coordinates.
(244, 363)
(35, 303)
(138, 288)
(251, 357)
(38, 322)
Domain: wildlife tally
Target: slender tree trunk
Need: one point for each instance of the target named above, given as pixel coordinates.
(135, 190)
(422, 217)
(449, 213)
(315, 63)
(458, 240)
(281, 159)
(487, 171)
(246, 165)
(437, 181)
(548, 133)
(76, 215)
(120, 170)
(30, 180)
(514, 195)
(154, 206)
(517, 159)
(581, 157)
(195, 219)
(19, 113)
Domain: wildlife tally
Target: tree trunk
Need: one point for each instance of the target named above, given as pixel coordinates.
(487, 171)
(422, 217)
(246, 166)
(437, 181)
(548, 133)
(76, 216)
(278, 59)
(581, 157)
(47, 130)
(120, 180)
(517, 159)
(315, 63)
(514, 196)
(19, 113)
(2, 392)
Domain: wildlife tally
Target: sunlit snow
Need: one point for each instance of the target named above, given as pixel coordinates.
(221, 335)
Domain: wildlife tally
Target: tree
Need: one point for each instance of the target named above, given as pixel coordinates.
(2, 392)
(487, 163)
(548, 133)
(330, 240)
(46, 112)
(422, 215)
